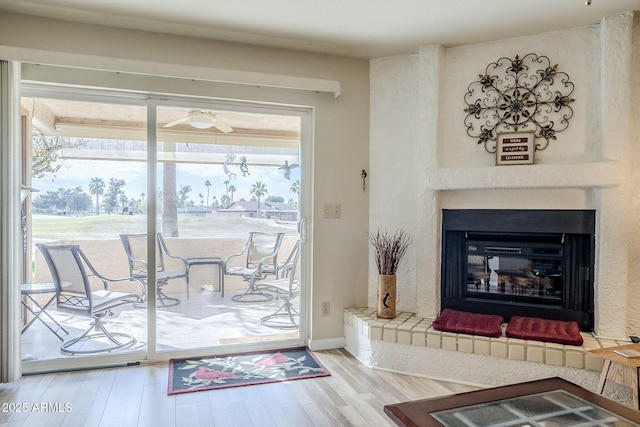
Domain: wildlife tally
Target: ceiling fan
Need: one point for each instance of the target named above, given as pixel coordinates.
(203, 120)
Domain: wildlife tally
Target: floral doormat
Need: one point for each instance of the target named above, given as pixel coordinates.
(235, 370)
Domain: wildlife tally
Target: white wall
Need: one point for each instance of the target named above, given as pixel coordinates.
(340, 129)
(421, 154)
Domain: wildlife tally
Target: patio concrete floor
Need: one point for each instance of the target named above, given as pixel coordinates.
(204, 320)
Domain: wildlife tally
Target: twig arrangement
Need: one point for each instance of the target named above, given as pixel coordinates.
(389, 250)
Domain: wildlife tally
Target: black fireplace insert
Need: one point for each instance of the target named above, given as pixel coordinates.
(536, 263)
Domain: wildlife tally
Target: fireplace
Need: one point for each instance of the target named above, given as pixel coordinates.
(535, 263)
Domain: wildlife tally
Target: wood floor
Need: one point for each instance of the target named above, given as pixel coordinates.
(137, 396)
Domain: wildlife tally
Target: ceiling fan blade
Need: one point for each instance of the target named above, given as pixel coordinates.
(222, 126)
(177, 122)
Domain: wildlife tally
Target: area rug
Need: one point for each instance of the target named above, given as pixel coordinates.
(462, 322)
(533, 328)
(235, 370)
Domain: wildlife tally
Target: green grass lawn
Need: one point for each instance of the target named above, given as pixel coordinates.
(110, 226)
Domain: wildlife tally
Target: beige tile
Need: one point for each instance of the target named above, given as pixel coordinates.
(574, 359)
(419, 338)
(554, 356)
(369, 312)
(607, 343)
(375, 333)
(516, 350)
(449, 341)
(556, 346)
(590, 342)
(434, 339)
(403, 316)
(593, 362)
(403, 337)
(389, 334)
(535, 353)
(465, 343)
(422, 326)
(499, 348)
(482, 345)
(407, 326)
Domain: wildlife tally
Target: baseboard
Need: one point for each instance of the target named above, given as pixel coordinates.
(326, 344)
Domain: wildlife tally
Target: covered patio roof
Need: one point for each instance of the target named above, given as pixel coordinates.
(273, 139)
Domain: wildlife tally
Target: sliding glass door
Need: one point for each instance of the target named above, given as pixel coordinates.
(223, 175)
(158, 194)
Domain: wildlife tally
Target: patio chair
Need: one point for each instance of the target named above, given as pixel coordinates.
(261, 251)
(190, 262)
(285, 288)
(71, 272)
(135, 246)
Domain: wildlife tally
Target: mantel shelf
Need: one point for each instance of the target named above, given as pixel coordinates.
(584, 175)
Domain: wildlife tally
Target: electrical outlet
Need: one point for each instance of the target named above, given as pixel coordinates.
(337, 210)
(326, 308)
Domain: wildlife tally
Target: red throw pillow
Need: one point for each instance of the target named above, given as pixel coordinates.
(533, 328)
(463, 322)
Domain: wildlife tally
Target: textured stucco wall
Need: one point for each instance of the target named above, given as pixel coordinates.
(633, 300)
(422, 160)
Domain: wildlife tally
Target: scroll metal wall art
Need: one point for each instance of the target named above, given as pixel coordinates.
(520, 94)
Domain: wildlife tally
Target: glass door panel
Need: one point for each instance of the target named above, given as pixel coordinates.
(223, 175)
(88, 183)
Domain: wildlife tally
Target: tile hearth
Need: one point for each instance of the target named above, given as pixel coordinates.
(409, 329)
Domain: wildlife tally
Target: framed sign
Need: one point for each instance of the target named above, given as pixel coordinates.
(514, 148)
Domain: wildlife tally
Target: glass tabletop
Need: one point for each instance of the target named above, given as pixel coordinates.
(37, 288)
(546, 409)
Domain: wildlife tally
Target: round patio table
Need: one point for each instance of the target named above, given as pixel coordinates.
(28, 290)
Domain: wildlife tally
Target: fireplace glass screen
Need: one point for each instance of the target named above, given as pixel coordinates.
(526, 269)
(532, 263)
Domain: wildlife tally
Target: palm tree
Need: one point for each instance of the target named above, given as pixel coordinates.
(207, 184)
(258, 189)
(96, 186)
(226, 186)
(123, 199)
(295, 187)
(232, 189)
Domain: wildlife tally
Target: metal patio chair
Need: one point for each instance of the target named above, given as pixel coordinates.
(261, 252)
(286, 288)
(72, 272)
(135, 247)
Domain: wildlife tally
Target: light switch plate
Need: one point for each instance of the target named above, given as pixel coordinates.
(327, 211)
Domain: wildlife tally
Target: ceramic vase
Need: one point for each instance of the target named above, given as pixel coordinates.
(386, 296)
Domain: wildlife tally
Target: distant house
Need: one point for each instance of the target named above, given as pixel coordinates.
(195, 210)
(269, 210)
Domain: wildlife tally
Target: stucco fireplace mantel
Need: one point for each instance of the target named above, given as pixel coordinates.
(583, 175)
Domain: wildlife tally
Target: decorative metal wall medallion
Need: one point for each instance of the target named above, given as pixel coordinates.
(518, 94)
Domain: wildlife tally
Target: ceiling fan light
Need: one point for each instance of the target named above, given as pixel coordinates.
(201, 122)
